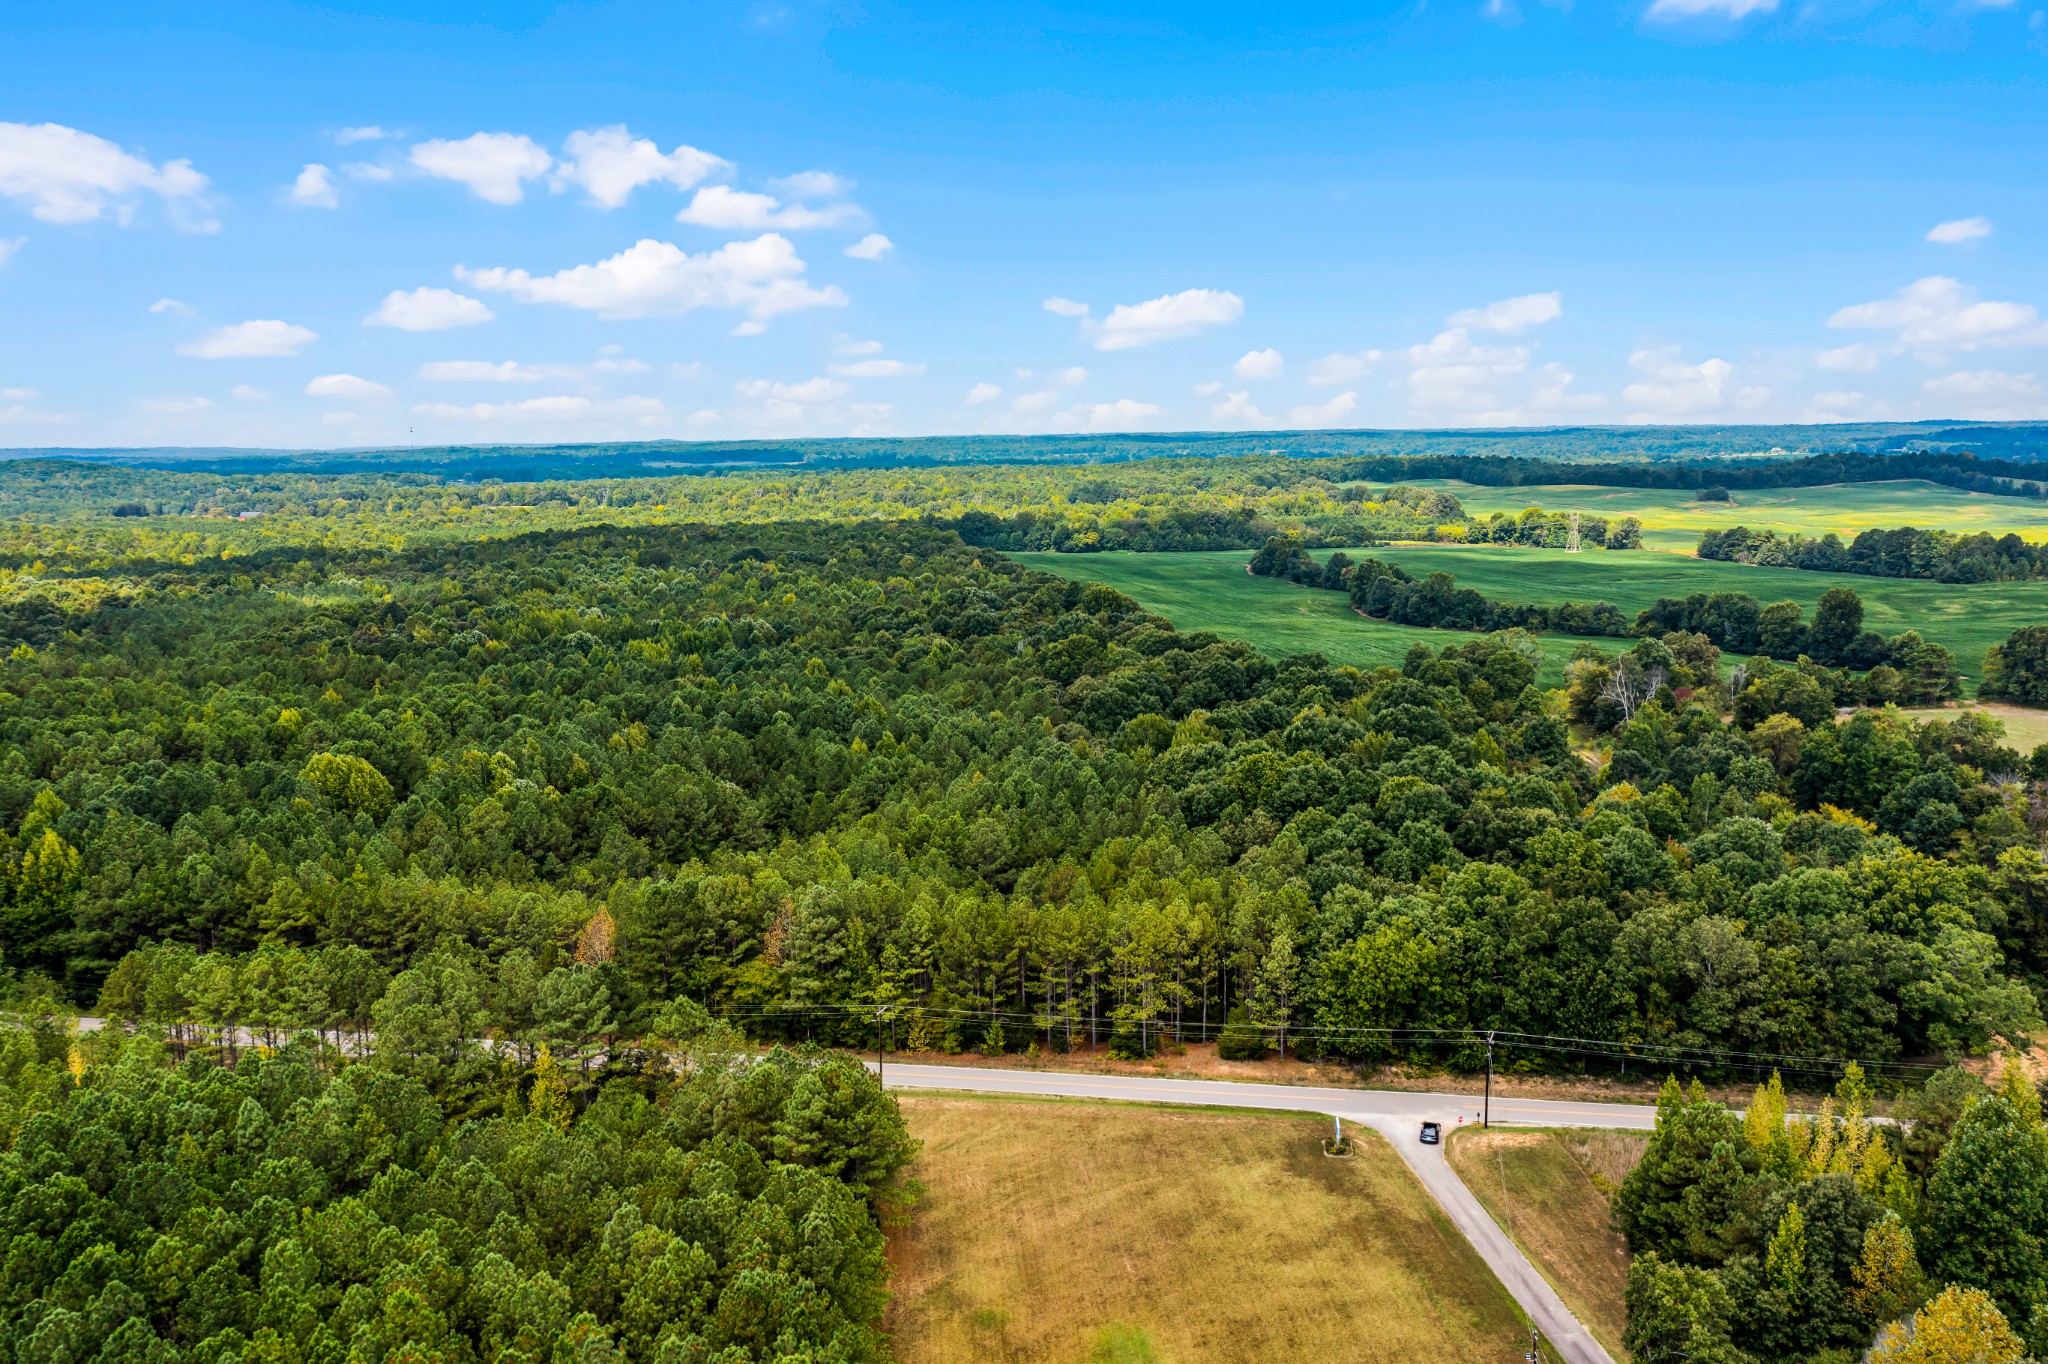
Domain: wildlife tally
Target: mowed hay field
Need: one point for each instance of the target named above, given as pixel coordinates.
(1543, 1188)
(1211, 591)
(1674, 519)
(1064, 1232)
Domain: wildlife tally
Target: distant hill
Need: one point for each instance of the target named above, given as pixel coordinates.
(2015, 441)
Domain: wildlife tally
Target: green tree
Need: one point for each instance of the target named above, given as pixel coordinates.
(1987, 1206)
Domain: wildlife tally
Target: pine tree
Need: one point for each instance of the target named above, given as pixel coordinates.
(550, 1098)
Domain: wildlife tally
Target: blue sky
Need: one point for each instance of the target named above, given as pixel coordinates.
(362, 224)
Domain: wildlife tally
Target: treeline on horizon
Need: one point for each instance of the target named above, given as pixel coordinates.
(1900, 552)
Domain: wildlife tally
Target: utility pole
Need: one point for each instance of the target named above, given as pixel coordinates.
(879, 1057)
(1486, 1114)
(1571, 544)
(1535, 1355)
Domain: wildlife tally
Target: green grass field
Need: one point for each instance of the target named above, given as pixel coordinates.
(1211, 591)
(1674, 520)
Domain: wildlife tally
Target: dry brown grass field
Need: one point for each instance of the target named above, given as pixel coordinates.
(1076, 1232)
(1549, 1191)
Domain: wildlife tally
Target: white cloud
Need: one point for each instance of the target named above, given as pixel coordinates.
(1342, 369)
(173, 407)
(878, 369)
(611, 365)
(375, 171)
(1237, 410)
(314, 188)
(1071, 375)
(819, 390)
(62, 175)
(753, 326)
(874, 246)
(1834, 405)
(1959, 230)
(1167, 318)
(250, 340)
(722, 206)
(1938, 313)
(482, 372)
(1331, 413)
(428, 310)
(1989, 395)
(1553, 393)
(494, 165)
(1726, 9)
(635, 411)
(8, 246)
(1511, 315)
(765, 277)
(1451, 375)
(814, 185)
(249, 393)
(1026, 403)
(610, 163)
(983, 393)
(1066, 307)
(1259, 364)
(1209, 389)
(1120, 415)
(368, 133)
(18, 395)
(171, 305)
(345, 386)
(1672, 390)
(849, 345)
(1851, 359)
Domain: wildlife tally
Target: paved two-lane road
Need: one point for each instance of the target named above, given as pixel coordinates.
(1396, 1114)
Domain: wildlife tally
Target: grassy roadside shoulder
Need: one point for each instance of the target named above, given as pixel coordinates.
(1548, 1189)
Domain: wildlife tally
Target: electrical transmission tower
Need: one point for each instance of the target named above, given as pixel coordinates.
(1571, 542)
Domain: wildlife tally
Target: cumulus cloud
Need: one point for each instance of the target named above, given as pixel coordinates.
(1553, 394)
(171, 305)
(495, 166)
(1851, 359)
(1024, 404)
(345, 386)
(1451, 375)
(874, 246)
(250, 340)
(1339, 368)
(428, 310)
(62, 175)
(1121, 415)
(8, 246)
(814, 185)
(374, 171)
(1938, 313)
(1071, 375)
(368, 133)
(617, 412)
(1724, 9)
(878, 369)
(18, 395)
(314, 188)
(1959, 230)
(983, 393)
(1331, 413)
(1511, 315)
(249, 393)
(173, 407)
(764, 277)
(722, 206)
(1672, 389)
(1065, 307)
(1166, 318)
(1258, 364)
(819, 390)
(852, 345)
(608, 164)
(1237, 409)
(1989, 394)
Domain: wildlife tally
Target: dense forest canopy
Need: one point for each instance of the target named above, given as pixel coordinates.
(424, 845)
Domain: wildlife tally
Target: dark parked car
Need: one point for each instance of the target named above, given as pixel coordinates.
(1432, 1133)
